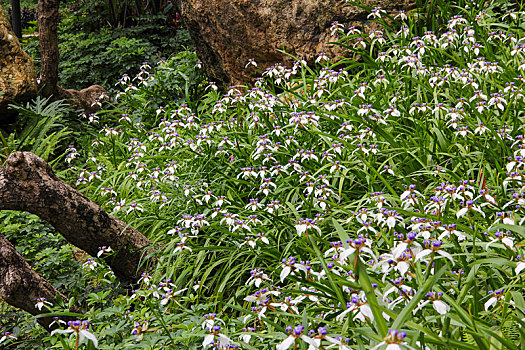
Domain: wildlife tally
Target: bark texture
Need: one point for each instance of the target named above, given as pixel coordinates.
(27, 183)
(20, 285)
(48, 24)
(227, 33)
(17, 72)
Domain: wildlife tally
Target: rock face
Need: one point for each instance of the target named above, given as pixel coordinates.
(227, 33)
(17, 72)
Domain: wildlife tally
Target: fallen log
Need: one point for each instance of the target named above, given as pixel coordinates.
(21, 286)
(27, 183)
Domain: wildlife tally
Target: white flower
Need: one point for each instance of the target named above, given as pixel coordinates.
(289, 304)
(247, 336)
(210, 320)
(90, 263)
(495, 297)
(146, 278)
(393, 341)
(504, 238)
(435, 248)
(251, 62)
(480, 128)
(340, 344)
(359, 245)
(440, 307)
(261, 297)
(437, 303)
(404, 31)
(212, 85)
(402, 14)
(336, 27)
(295, 333)
(520, 266)
(40, 302)
(181, 246)
(216, 339)
(257, 277)
(134, 207)
(253, 205)
(451, 229)
(359, 307)
(139, 330)
(80, 328)
(392, 218)
(288, 264)
(470, 204)
(306, 225)
(336, 166)
(242, 225)
(321, 56)
(376, 12)
(103, 250)
(6, 336)
(170, 294)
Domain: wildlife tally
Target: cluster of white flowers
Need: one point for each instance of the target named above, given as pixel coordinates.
(291, 156)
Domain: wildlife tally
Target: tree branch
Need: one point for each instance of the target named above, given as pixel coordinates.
(20, 285)
(27, 183)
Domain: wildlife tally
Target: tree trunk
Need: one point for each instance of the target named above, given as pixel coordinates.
(27, 183)
(16, 18)
(20, 285)
(49, 58)
(47, 26)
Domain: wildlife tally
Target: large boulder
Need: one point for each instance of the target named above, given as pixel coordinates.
(17, 72)
(227, 33)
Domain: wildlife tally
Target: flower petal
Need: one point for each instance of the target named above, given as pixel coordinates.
(520, 267)
(490, 303)
(441, 307)
(422, 254)
(285, 272)
(286, 343)
(89, 336)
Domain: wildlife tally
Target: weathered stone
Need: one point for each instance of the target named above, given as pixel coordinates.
(85, 99)
(227, 33)
(17, 72)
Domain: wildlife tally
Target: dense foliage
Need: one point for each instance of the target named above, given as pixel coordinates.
(373, 204)
(94, 50)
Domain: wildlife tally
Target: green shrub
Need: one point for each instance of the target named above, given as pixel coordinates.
(104, 55)
(40, 130)
(173, 82)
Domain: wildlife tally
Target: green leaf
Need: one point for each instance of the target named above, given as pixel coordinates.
(343, 236)
(379, 319)
(513, 228)
(406, 313)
